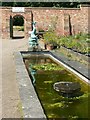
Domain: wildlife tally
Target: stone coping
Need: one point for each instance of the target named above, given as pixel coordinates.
(31, 105)
(72, 66)
(52, 8)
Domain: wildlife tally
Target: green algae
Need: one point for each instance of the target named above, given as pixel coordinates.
(50, 99)
(47, 66)
(55, 105)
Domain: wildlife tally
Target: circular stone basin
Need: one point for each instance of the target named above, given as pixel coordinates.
(67, 87)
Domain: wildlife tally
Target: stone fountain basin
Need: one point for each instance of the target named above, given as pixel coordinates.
(67, 87)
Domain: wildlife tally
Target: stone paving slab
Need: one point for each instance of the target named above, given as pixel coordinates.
(81, 68)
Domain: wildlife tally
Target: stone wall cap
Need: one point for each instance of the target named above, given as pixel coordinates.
(85, 5)
(5, 7)
(53, 8)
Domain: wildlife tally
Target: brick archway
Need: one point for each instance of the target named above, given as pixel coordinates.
(27, 21)
(16, 33)
(7, 23)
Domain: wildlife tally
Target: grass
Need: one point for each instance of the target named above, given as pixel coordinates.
(19, 28)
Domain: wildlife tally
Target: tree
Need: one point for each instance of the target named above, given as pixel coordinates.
(40, 4)
(18, 21)
(44, 4)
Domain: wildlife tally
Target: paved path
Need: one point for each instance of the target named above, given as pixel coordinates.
(0, 79)
(10, 91)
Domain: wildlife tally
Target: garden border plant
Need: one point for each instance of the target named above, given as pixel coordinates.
(79, 43)
(50, 39)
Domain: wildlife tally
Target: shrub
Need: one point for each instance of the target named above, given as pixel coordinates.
(79, 42)
(50, 37)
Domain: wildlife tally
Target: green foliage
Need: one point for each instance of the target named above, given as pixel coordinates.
(41, 4)
(18, 28)
(47, 66)
(79, 42)
(21, 28)
(50, 38)
(18, 21)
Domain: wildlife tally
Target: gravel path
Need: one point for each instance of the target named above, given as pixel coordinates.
(10, 91)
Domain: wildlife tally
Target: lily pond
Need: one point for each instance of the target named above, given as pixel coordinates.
(46, 73)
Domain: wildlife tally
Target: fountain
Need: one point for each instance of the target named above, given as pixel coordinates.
(33, 39)
(68, 89)
(33, 46)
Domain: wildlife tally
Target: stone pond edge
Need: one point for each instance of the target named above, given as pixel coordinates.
(31, 105)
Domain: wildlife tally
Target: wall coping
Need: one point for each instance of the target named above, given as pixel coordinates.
(50, 8)
(85, 5)
(31, 105)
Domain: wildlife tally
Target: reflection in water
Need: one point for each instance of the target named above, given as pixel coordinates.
(68, 89)
(72, 95)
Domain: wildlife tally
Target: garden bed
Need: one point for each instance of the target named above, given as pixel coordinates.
(75, 46)
(79, 43)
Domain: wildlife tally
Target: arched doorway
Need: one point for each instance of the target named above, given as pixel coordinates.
(17, 26)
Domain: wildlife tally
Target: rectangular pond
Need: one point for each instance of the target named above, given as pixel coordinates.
(46, 73)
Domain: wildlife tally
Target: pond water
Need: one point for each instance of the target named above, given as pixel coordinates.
(55, 105)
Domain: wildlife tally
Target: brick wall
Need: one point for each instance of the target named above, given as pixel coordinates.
(6, 12)
(64, 21)
(55, 18)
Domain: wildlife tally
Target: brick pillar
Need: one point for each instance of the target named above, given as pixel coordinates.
(66, 24)
(8, 27)
(5, 28)
(28, 23)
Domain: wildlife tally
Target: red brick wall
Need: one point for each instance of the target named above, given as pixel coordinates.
(47, 17)
(50, 18)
